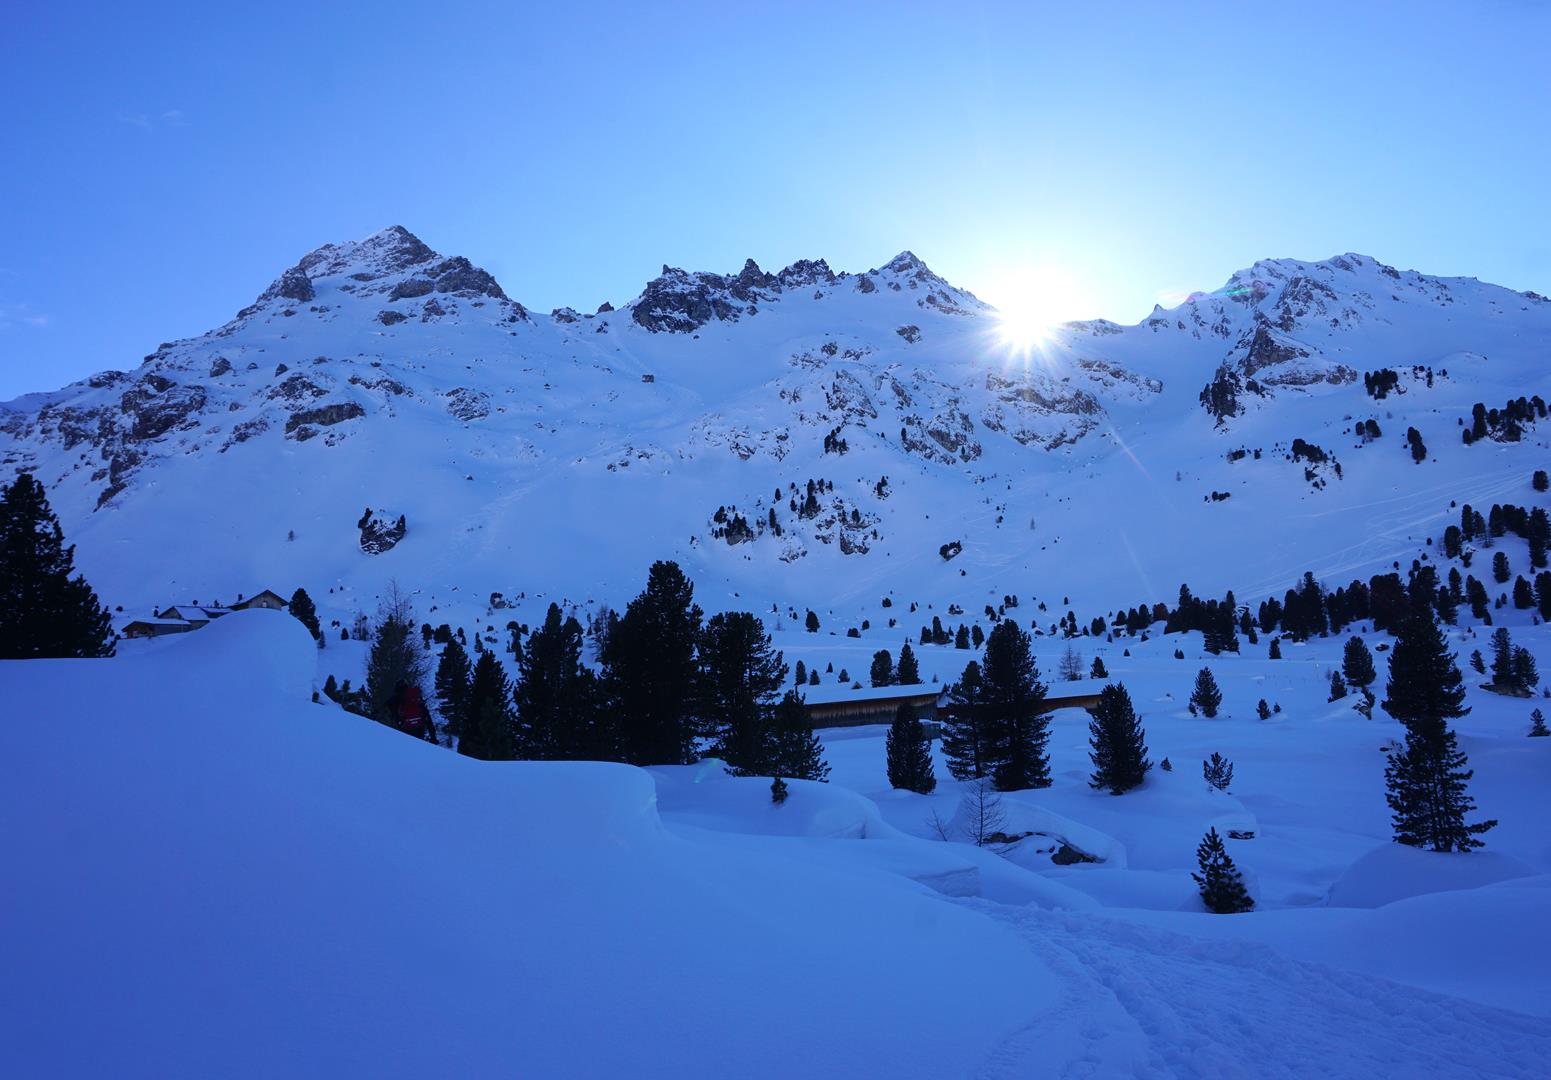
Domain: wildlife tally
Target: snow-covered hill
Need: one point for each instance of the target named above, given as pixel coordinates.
(206, 874)
(555, 456)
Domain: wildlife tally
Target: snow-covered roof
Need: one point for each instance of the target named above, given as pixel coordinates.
(1060, 688)
(186, 613)
(843, 694)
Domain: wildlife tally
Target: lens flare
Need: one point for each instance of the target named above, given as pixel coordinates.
(1031, 302)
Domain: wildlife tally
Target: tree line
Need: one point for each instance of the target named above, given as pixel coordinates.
(670, 687)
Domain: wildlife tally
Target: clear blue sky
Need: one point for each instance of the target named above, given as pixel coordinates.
(162, 164)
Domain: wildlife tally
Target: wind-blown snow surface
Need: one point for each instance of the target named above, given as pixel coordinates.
(206, 874)
(556, 456)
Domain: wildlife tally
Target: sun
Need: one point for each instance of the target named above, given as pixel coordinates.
(1031, 302)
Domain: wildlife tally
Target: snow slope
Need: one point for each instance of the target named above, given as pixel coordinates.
(555, 456)
(209, 875)
(220, 878)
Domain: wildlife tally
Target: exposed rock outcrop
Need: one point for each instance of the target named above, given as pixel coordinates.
(380, 532)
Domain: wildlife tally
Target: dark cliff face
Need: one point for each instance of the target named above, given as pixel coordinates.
(681, 302)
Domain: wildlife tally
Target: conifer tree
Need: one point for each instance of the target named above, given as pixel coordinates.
(453, 675)
(1537, 724)
(1217, 771)
(963, 731)
(800, 675)
(795, 751)
(882, 671)
(812, 622)
(304, 611)
(1221, 884)
(1426, 779)
(741, 675)
(556, 696)
(1274, 652)
(1099, 671)
(1357, 664)
(778, 791)
(1017, 728)
(46, 609)
(489, 731)
(1337, 686)
(1525, 676)
(1118, 745)
(1262, 710)
(1500, 571)
(909, 672)
(650, 671)
(908, 753)
(396, 659)
(1206, 697)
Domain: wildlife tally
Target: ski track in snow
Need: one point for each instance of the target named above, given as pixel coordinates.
(1138, 1001)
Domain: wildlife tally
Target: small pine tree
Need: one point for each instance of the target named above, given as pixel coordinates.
(882, 671)
(1537, 724)
(650, 677)
(46, 609)
(1166, 765)
(1502, 659)
(812, 622)
(304, 611)
(1099, 671)
(800, 676)
(1217, 771)
(1222, 886)
(1275, 651)
(1525, 674)
(453, 676)
(396, 659)
(778, 791)
(1337, 686)
(1018, 730)
(1500, 571)
(1357, 663)
(1118, 746)
(1426, 780)
(1477, 663)
(908, 752)
(1262, 710)
(489, 730)
(555, 695)
(1206, 696)
(909, 671)
(795, 751)
(964, 726)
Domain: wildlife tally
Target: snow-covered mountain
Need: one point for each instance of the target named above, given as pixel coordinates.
(558, 455)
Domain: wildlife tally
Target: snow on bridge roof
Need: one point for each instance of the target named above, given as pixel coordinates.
(844, 694)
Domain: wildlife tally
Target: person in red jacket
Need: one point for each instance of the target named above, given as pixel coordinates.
(410, 713)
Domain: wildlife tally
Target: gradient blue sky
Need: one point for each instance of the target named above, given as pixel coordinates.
(162, 164)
